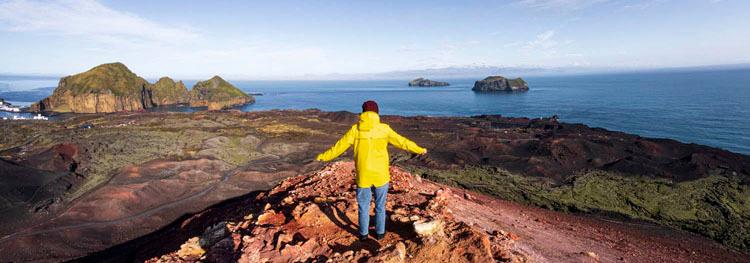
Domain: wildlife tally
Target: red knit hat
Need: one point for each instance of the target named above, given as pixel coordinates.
(370, 105)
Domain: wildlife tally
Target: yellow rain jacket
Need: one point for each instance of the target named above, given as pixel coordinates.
(370, 139)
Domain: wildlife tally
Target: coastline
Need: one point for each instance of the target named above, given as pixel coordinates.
(686, 110)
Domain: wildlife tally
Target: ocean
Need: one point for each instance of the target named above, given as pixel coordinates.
(710, 107)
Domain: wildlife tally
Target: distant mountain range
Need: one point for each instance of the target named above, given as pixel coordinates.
(452, 72)
(458, 72)
(482, 71)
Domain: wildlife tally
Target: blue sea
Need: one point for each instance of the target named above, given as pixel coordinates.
(710, 107)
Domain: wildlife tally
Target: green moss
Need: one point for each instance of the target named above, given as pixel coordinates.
(519, 82)
(216, 89)
(113, 78)
(166, 89)
(716, 206)
(116, 148)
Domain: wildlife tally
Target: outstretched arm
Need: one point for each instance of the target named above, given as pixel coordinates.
(404, 143)
(340, 147)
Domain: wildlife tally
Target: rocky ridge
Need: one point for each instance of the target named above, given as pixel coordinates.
(309, 218)
(499, 83)
(422, 82)
(167, 92)
(113, 87)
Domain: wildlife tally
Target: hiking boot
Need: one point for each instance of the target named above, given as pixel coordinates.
(362, 237)
(379, 236)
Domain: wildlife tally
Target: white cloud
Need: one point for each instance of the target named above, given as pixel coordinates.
(643, 5)
(106, 35)
(86, 18)
(411, 47)
(560, 4)
(546, 49)
(542, 41)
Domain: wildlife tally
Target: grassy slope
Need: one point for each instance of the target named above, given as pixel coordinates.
(165, 87)
(517, 82)
(716, 206)
(216, 89)
(112, 77)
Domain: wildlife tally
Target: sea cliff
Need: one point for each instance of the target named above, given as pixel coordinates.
(105, 88)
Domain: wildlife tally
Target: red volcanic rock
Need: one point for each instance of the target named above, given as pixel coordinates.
(60, 158)
(544, 147)
(145, 187)
(311, 218)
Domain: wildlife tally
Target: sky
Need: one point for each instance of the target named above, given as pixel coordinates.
(287, 39)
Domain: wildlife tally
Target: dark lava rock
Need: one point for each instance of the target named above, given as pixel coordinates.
(499, 83)
(422, 82)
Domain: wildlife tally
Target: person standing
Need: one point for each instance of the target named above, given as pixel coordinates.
(370, 139)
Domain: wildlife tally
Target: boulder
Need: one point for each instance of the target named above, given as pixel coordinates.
(191, 250)
(422, 82)
(499, 83)
(428, 228)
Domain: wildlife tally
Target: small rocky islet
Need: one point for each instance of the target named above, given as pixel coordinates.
(500, 83)
(423, 82)
(488, 84)
(112, 87)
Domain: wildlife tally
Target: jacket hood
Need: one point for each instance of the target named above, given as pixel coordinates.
(367, 120)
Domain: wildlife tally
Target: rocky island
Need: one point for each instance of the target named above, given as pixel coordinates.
(113, 87)
(216, 94)
(105, 88)
(422, 82)
(499, 83)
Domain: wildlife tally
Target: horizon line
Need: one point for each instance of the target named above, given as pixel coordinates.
(574, 70)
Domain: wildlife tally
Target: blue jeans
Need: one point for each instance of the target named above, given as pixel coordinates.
(364, 195)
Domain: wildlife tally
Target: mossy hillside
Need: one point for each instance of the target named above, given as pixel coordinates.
(15, 134)
(117, 141)
(233, 150)
(113, 78)
(715, 206)
(518, 82)
(280, 129)
(166, 89)
(216, 89)
(113, 148)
